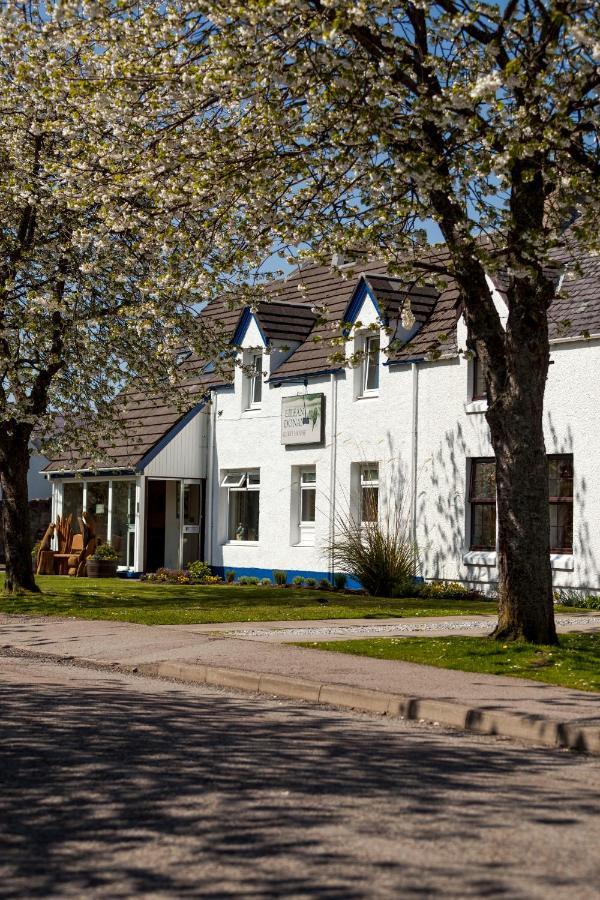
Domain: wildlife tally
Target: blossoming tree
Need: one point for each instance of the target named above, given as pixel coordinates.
(355, 123)
(105, 243)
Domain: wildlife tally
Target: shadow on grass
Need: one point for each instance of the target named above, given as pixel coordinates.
(120, 791)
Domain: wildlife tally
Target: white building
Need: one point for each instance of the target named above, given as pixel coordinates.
(253, 477)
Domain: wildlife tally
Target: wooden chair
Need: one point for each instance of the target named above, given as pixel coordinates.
(76, 552)
(44, 563)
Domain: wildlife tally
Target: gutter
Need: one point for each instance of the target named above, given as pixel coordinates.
(302, 378)
(332, 469)
(577, 339)
(414, 450)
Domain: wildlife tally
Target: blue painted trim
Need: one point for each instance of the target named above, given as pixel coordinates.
(361, 292)
(404, 362)
(302, 378)
(243, 325)
(291, 574)
(168, 437)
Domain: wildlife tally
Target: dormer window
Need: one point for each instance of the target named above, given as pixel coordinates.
(254, 381)
(479, 391)
(371, 365)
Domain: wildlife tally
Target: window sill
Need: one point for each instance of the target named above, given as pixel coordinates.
(480, 558)
(373, 396)
(562, 561)
(241, 543)
(476, 406)
(251, 409)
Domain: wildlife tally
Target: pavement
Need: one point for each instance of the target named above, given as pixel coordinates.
(254, 657)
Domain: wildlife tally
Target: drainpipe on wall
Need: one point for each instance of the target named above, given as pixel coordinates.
(332, 468)
(209, 512)
(414, 449)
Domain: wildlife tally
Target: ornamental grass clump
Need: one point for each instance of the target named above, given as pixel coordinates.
(376, 548)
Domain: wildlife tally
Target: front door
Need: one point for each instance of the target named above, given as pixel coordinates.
(192, 538)
(156, 497)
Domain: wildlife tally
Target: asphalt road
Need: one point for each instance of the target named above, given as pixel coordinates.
(121, 786)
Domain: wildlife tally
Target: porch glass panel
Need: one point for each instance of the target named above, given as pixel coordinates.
(73, 503)
(122, 531)
(97, 506)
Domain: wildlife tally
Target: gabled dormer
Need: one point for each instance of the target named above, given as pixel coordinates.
(266, 337)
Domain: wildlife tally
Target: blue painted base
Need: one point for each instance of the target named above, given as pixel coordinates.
(351, 583)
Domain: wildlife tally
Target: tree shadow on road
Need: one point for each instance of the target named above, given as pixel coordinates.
(120, 789)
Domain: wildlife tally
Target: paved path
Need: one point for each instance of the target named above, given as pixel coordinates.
(116, 786)
(129, 644)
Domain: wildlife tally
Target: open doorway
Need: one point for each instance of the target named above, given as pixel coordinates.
(174, 523)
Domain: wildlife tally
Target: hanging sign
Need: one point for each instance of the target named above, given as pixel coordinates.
(303, 419)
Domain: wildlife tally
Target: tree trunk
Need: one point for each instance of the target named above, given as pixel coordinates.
(526, 609)
(14, 465)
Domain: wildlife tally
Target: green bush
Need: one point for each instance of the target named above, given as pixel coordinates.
(378, 552)
(339, 581)
(168, 576)
(279, 576)
(199, 571)
(266, 582)
(105, 552)
(576, 599)
(298, 580)
(311, 582)
(230, 576)
(324, 585)
(248, 579)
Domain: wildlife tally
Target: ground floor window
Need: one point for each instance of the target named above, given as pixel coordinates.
(482, 501)
(112, 506)
(369, 492)
(560, 484)
(243, 496)
(308, 496)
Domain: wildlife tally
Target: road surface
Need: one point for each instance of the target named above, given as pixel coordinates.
(119, 786)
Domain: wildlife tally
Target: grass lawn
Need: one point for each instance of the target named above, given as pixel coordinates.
(575, 664)
(153, 604)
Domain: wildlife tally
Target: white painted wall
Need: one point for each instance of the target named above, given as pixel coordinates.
(185, 454)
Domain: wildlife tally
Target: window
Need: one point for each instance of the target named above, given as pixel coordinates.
(369, 492)
(371, 365)
(482, 498)
(255, 376)
(479, 391)
(560, 488)
(308, 496)
(243, 493)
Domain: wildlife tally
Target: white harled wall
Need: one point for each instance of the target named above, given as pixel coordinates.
(451, 429)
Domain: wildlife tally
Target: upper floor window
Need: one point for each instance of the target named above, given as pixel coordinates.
(369, 492)
(308, 496)
(482, 499)
(560, 488)
(371, 365)
(479, 391)
(254, 381)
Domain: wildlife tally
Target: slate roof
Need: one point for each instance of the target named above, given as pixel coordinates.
(291, 315)
(281, 321)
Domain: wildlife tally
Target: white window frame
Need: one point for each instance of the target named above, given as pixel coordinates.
(370, 363)
(368, 483)
(307, 486)
(254, 381)
(248, 480)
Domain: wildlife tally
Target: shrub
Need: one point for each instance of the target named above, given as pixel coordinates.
(324, 585)
(248, 579)
(279, 576)
(378, 552)
(298, 580)
(35, 550)
(105, 552)
(339, 580)
(168, 576)
(266, 582)
(311, 582)
(230, 576)
(444, 590)
(199, 571)
(576, 599)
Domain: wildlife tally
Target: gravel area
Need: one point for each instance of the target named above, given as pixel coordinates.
(326, 631)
